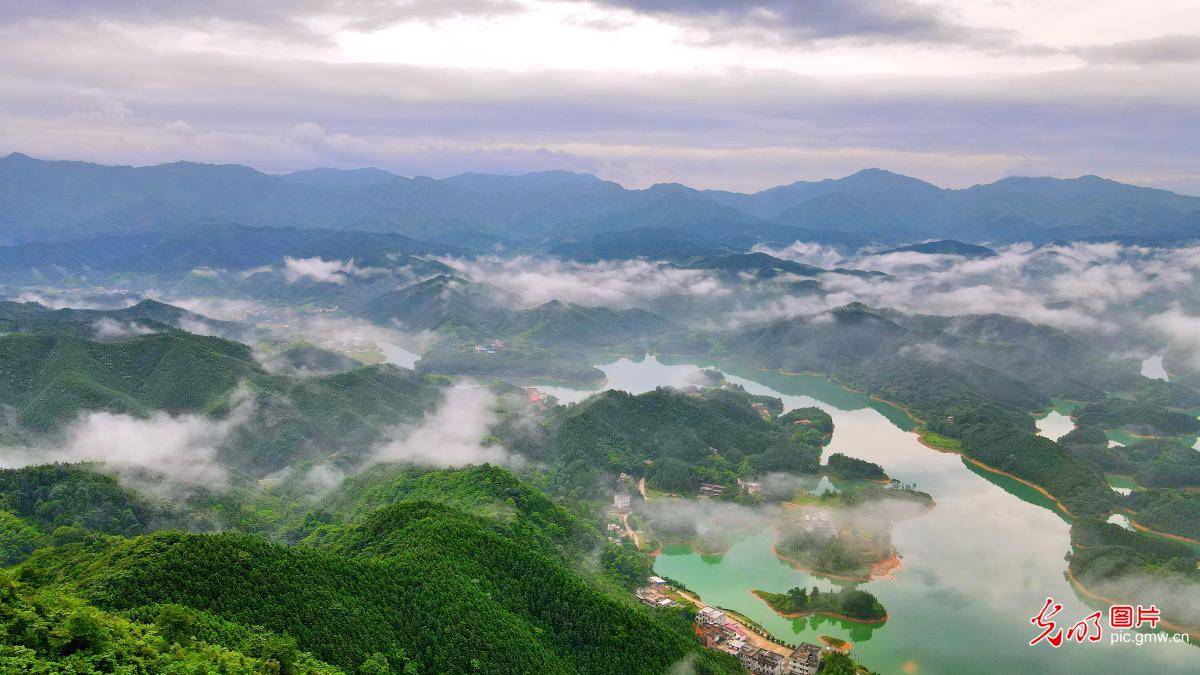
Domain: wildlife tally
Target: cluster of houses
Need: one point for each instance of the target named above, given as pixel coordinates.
(653, 594)
(719, 632)
(750, 487)
(817, 523)
(715, 490)
(351, 344)
(490, 347)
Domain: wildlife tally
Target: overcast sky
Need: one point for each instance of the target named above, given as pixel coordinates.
(740, 95)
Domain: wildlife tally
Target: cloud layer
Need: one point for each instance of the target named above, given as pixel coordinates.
(714, 94)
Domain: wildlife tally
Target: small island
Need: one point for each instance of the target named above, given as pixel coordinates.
(849, 604)
(850, 468)
(847, 534)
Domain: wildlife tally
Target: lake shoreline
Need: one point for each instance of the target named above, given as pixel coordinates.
(991, 469)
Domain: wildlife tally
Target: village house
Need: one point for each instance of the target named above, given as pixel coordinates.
(730, 645)
(750, 487)
(711, 490)
(621, 503)
(762, 661)
(805, 660)
(710, 616)
(654, 598)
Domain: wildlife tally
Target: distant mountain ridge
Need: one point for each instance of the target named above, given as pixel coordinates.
(578, 213)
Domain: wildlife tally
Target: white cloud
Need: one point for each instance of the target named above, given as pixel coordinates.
(109, 330)
(321, 270)
(620, 284)
(1181, 330)
(316, 269)
(452, 435)
(184, 447)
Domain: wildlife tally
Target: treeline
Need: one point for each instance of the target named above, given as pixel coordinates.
(1138, 416)
(46, 631)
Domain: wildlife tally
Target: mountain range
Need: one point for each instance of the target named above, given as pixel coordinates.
(576, 214)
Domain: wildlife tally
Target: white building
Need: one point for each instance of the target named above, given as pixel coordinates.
(710, 616)
(621, 502)
(805, 660)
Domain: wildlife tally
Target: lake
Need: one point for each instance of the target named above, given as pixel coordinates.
(975, 568)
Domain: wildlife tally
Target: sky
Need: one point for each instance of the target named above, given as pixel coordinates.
(736, 95)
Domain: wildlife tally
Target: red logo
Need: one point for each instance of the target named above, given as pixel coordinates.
(1120, 616)
(1089, 629)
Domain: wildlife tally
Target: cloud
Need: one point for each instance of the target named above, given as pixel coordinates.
(452, 435)
(1181, 330)
(277, 18)
(181, 447)
(793, 22)
(1075, 287)
(55, 299)
(809, 253)
(110, 330)
(198, 88)
(223, 309)
(325, 271)
(621, 284)
(316, 269)
(1157, 50)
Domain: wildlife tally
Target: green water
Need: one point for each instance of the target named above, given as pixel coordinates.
(975, 568)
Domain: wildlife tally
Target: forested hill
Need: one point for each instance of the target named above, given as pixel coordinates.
(679, 439)
(422, 585)
(146, 316)
(50, 379)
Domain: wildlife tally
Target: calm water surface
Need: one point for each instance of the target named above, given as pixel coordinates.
(975, 568)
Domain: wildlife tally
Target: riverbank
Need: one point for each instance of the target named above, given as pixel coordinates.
(753, 632)
(833, 615)
(991, 469)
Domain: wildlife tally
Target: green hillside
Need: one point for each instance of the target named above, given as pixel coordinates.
(48, 380)
(416, 582)
(45, 631)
